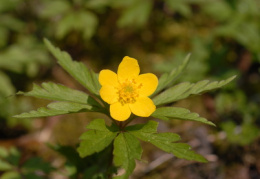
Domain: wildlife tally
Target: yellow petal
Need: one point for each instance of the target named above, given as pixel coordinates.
(108, 77)
(128, 69)
(143, 107)
(149, 83)
(109, 94)
(120, 112)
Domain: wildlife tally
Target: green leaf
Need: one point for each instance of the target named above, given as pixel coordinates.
(7, 88)
(97, 4)
(240, 134)
(168, 113)
(148, 132)
(13, 156)
(183, 90)
(182, 150)
(136, 14)
(95, 166)
(4, 33)
(219, 10)
(11, 175)
(97, 138)
(86, 23)
(51, 9)
(32, 175)
(9, 6)
(57, 92)
(149, 127)
(78, 70)
(127, 148)
(4, 165)
(57, 108)
(164, 141)
(179, 6)
(72, 156)
(73, 101)
(3, 152)
(25, 56)
(37, 164)
(168, 78)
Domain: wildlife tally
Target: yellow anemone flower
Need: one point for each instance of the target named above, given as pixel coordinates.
(127, 92)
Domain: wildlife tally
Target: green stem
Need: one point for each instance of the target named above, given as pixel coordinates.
(110, 163)
(128, 121)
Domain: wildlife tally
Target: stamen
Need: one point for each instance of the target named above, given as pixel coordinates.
(128, 91)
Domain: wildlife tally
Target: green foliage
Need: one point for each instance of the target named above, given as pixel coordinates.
(240, 134)
(168, 113)
(12, 169)
(82, 20)
(83, 75)
(222, 36)
(6, 82)
(6, 90)
(24, 57)
(57, 108)
(73, 101)
(95, 166)
(99, 136)
(127, 148)
(165, 141)
(54, 8)
(185, 89)
(245, 132)
(86, 22)
(96, 139)
(20, 54)
(232, 21)
(168, 78)
(179, 6)
(137, 13)
(57, 92)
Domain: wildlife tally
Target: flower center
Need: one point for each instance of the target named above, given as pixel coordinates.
(128, 91)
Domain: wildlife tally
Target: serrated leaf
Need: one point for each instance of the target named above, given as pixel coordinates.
(164, 141)
(148, 132)
(127, 148)
(168, 113)
(79, 71)
(182, 150)
(97, 138)
(57, 108)
(183, 90)
(57, 92)
(168, 78)
(149, 127)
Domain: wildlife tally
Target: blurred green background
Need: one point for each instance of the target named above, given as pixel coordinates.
(223, 37)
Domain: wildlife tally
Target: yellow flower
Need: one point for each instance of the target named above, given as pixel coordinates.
(127, 92)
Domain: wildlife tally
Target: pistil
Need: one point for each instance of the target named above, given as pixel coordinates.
(128, 92)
